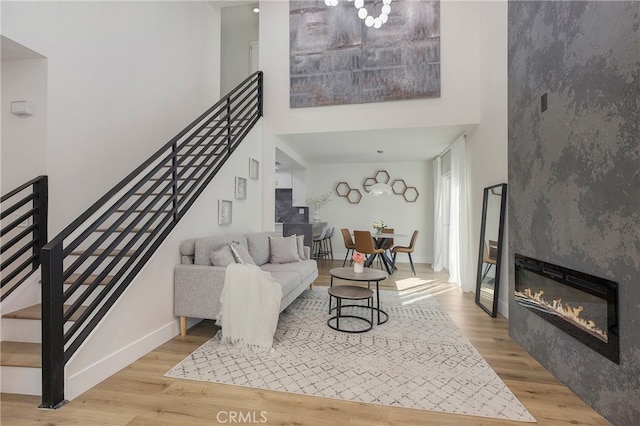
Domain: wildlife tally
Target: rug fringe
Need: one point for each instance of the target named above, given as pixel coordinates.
(246, 347)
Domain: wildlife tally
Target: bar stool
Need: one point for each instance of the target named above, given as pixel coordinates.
(328, 245)
(318, 241)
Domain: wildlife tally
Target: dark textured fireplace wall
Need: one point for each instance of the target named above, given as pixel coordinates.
(574, 195)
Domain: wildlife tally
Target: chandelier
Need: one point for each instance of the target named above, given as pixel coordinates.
(363, 13)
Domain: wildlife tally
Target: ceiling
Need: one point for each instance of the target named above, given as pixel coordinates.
(398, 145)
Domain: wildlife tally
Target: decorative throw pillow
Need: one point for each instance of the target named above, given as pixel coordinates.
(223, 256)
(301, 253)
(241, 254)
(284, 250)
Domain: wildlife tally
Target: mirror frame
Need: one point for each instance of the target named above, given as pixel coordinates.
(503, 206)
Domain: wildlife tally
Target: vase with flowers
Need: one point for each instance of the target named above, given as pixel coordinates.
(358, 262)
(317, 203)
(379, 225)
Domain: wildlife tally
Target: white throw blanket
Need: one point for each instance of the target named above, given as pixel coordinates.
(249, 307)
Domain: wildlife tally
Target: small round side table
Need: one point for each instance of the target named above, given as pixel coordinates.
(369, 275)
(350, 292)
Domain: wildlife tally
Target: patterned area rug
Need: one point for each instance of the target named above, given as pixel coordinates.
(418, 359)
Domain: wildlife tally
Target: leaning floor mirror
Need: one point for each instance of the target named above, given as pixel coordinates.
(490, 253)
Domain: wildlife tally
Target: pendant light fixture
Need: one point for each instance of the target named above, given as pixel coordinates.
(363, 13)
(380, 188)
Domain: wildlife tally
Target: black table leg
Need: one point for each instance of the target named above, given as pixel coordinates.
(378, 305)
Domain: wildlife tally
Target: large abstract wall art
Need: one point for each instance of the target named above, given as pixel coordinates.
(336, 59)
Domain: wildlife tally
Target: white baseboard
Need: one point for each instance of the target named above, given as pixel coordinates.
(503, 308)
(84, 380)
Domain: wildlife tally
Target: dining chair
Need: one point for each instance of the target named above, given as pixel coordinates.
(388, 243)
(487, 256)
(364, 245)
(406, 249)
(348, 243)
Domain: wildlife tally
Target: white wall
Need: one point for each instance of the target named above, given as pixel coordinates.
(24, 139)
(487, 144)
(459, 102)
(123, 79)
(143, 318)
(404, 217)
(239, 28)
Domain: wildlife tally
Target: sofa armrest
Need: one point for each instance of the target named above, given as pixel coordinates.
(197, 290)
(307, 252)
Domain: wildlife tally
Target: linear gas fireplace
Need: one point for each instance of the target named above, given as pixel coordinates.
(582, 305)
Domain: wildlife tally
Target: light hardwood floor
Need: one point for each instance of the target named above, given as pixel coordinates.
(141, 395)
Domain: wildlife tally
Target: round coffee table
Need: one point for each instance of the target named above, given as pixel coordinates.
(369, 275)
(350, 292)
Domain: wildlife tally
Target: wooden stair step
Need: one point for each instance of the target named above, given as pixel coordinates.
(189, 166)
(190, 155)
(90, 279)
(100, 251)
(134, 230)
(34, 312)
(167, 179)
(21, 354)
(140, 211)
(205, 144)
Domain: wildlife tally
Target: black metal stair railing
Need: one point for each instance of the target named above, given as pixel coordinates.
(25, 211)
(87, 267)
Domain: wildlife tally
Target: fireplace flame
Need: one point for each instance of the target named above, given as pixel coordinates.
(568, 312)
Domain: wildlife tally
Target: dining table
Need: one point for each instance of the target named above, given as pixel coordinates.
(378, 241)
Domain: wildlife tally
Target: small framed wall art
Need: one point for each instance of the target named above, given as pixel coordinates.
(254, 168)
(224, 212)
(241, 188)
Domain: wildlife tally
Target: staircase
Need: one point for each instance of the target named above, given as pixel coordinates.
(88, 266)
(24, 233)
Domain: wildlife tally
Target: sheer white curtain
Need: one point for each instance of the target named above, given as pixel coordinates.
(451, 234)
(438, 224)
(459, 268)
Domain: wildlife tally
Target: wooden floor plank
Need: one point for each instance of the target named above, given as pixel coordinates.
(141, 395)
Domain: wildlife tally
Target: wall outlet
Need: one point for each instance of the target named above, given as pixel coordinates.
(300, 211)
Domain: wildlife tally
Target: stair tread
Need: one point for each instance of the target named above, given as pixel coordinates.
(21, 354)
(153, 194)
(167, 179)
(34, 312)
(134, 230)
(100, 251)
(90, 279)
(141, 211)
(205, 145)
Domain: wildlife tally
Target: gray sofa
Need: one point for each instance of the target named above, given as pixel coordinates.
(198, 283)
